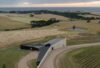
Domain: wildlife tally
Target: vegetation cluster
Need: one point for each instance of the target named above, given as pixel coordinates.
(43, 22)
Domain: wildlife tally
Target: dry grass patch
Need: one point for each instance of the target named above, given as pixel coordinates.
(24, 18)
(92, 27)
(48, 16)
(6, 23)
(9, 37)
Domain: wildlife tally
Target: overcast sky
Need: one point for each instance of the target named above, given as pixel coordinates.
(49, 3)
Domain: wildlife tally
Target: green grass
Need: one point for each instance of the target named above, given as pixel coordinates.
(81, 58)
(32, 64)
(83, 40)
(11, 55)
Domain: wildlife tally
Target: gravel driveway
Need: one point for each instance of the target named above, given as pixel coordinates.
(23, 63)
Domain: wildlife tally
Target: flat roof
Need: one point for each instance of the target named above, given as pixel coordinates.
(53, 41)
(37, 46)
(45, 48)
(43, 51)
(32, 44)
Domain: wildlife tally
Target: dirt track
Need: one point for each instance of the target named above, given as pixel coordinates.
(23, 63)
(53, 59)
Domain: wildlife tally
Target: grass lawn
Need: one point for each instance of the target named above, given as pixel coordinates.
(81, 58)
(11, 55)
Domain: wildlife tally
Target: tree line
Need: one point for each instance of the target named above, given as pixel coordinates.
(43, 22)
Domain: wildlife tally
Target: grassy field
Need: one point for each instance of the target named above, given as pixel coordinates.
(66, 23)
(91, 27)
(90, 15)
(81, 58)
(6, 23)
(11, 55)
(22, 20)
(9, 37)
(25, 18)
(48, 16)
(19, 21)
(83, 40)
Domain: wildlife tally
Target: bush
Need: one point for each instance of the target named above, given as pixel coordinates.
(98, 33)
(31, 15)
(7, 29)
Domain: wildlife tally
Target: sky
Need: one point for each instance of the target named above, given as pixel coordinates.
(49, 3)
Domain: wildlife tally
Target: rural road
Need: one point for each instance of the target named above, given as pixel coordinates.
(52, 60)
(23, 63)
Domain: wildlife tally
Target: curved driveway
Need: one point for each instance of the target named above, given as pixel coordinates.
(23, 63)
(52, 60)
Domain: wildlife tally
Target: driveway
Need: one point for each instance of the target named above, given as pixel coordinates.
(53, 59)
(23, 63)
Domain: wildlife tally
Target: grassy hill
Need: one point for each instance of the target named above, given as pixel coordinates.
(82, 58)
(6, 23)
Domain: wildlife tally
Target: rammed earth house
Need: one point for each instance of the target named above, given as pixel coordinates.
(45, 48)
(48, 47)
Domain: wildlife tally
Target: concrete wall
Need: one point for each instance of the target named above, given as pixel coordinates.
(60, 44)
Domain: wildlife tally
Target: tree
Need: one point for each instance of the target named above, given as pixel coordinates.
(88, 21)
(31, 15)
(99, 22)
(74, 27)
(98, 33)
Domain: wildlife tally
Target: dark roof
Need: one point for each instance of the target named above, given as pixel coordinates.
(37, 46)
(43, 51)
(45, 48)
(32, 44)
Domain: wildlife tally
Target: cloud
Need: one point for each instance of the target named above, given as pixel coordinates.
(59, 1)
(50, 3)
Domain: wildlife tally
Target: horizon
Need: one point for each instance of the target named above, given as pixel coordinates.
(84, 9)
(50, 3)
(49, 7)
